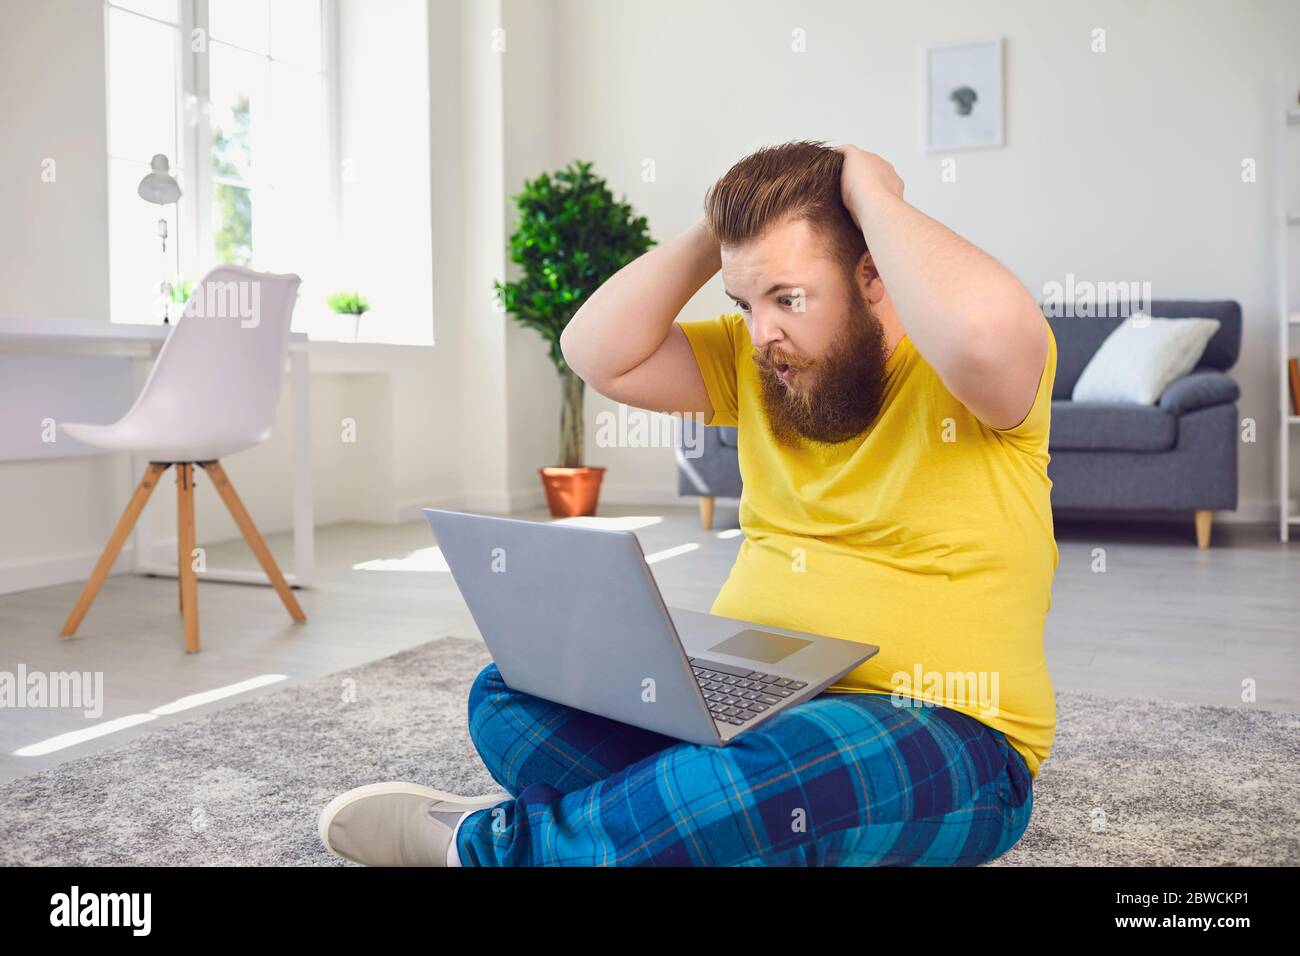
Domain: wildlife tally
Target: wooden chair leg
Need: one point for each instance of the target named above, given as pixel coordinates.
(706, 512)
(1203, 520)
(180, 581)
(185, 535)
(114, 547)
(263, 554)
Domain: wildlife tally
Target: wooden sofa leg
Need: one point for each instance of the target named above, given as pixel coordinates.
(1203, 519)
(706, 512)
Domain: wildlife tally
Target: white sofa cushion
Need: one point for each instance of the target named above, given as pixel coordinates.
(1143, 357)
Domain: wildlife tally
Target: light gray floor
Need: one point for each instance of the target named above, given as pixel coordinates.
(1163, 620)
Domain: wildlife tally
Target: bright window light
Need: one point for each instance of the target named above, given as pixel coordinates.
(63, 741)
(300, 137)
(103, 729)
(670, 553)
(624, 523)
(254, 162)
(425, 559)
(207, 696)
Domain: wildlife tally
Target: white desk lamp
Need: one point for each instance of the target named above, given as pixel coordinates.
(159, 186)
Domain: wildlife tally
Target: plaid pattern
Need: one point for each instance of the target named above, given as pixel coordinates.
(840, 780)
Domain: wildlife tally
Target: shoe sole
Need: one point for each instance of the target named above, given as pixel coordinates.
(359, 793)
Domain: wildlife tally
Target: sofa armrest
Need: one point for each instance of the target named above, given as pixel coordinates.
(1200, 389)
(706, 463)
(694, 438)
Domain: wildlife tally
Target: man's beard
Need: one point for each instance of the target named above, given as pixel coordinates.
(835, 398)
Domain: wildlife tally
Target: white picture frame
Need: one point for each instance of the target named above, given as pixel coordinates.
(965, 104)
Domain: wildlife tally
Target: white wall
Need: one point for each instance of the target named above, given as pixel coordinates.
(1123, 165)
(385, 224)
(531, 145)
(54, 249)
(509, 390)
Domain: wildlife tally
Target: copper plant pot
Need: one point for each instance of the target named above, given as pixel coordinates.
(571, 491)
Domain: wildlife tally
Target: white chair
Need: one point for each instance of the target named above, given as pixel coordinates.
(212, 392)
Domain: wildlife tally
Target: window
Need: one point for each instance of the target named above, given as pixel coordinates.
(237, 94)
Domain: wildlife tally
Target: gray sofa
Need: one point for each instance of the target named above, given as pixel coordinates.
(1179, 455)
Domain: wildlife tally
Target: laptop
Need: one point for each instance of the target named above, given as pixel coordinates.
(572, 614)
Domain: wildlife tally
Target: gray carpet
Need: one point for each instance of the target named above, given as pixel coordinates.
(1141, 782)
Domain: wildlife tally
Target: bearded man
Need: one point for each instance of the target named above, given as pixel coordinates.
(891, 387)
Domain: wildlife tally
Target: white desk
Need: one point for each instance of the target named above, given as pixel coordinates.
(140, 344)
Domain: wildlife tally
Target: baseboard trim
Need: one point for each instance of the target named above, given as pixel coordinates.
(624, 494)
(410, 510)
(1249, 512)
(61, 570)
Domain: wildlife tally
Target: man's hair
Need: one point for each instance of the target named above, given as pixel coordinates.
(798, 180)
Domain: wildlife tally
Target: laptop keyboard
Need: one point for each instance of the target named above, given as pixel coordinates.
(737, 695)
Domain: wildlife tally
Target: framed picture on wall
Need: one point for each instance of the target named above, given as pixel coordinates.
(963, 96)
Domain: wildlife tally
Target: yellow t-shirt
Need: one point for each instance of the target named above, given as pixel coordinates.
(930, 536)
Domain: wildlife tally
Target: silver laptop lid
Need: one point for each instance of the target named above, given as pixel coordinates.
(572, 614)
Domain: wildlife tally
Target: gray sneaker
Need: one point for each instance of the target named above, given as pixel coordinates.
(396, 824)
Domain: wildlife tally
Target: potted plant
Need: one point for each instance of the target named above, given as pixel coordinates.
(178, 295)
(350, 303)
(570, 236)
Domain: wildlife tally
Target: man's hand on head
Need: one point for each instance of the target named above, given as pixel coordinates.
(969, 317)
(864, 177)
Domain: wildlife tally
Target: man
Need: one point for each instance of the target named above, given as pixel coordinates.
(891, 385)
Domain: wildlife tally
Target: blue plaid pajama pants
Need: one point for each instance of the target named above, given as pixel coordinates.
(840, 780)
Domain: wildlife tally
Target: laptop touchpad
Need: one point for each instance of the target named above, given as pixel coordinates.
(760, 645)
